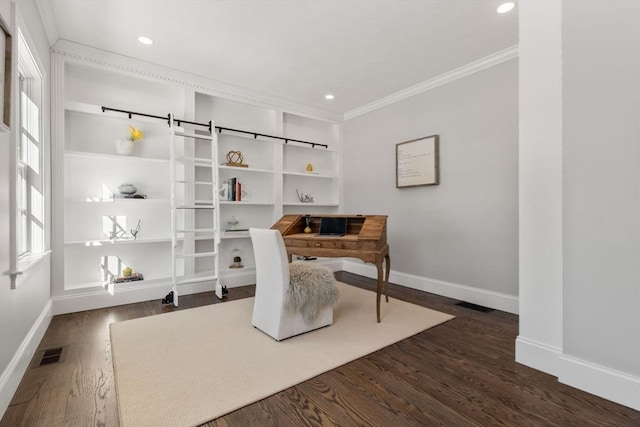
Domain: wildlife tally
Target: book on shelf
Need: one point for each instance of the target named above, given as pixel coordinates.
(132, 278)
(238, 192)
(233, 190)
(130, 196)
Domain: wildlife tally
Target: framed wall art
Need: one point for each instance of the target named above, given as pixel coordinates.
(417, 162)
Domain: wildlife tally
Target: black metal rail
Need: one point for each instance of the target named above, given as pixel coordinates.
(219, 129)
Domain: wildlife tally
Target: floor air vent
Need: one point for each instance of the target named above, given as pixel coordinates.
(475, 307)
(51, 356)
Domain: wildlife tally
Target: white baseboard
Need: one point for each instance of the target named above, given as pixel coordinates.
(538, 356)
(495, 300)
(238, 277)
(607, 383)
(100, 298)
(11, 377)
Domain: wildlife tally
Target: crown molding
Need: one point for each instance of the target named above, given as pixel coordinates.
(49, 23)
(448, 77)
(135, 67)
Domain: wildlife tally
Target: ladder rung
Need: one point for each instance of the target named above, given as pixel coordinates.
(197, 160)
(196, 280)
(207, 204)
(195, 135)
(195, 207)
(203, 163)
(197, 255)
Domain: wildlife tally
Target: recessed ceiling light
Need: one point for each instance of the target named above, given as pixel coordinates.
(505, 7)
(329, 96)
(145, 40)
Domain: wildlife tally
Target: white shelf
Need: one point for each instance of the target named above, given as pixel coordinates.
(247, 203)
(123, 285)
(115, 200)
(106, 242)
(203, 238)
(310, 204)
(309, 175)
(82, 107)
(235, 235)
(248, 169)
(112, 157)
(229, 271)
(308, 147)
(248, 137)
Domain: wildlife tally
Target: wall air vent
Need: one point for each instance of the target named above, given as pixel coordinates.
(51, 356)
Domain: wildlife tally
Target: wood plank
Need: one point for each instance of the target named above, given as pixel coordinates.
(460, 373)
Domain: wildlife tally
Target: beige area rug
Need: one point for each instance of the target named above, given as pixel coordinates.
(188, 367)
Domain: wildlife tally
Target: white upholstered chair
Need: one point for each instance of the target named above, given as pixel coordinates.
(270, 312)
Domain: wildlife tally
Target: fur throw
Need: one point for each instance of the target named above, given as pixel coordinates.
(312, 287)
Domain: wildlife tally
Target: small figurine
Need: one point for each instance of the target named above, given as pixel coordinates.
(232, 223)
(304, 198)
(309, 167)
(234, 158)
(237, 259)
(134, 232)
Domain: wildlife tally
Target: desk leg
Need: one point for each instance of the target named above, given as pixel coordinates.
(387, 266)
(379, 288)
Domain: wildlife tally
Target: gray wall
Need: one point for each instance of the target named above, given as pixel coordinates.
(601, 111)
(463, 231)
(20, 309)
(580, 194)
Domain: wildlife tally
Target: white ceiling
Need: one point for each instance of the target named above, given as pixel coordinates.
(359, 50)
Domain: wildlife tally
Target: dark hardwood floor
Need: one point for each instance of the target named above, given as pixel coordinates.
(461, 373)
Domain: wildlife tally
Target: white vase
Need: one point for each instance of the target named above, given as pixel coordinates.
(124, 146)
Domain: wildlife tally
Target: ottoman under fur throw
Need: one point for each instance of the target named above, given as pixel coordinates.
(311, 288)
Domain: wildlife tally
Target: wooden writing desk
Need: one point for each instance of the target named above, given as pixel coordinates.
(366, 239)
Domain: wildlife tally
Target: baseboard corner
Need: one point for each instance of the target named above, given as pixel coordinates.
(607, 383)
(12, 375)
(537, 355)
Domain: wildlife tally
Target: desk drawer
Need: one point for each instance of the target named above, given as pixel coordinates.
(321, 243)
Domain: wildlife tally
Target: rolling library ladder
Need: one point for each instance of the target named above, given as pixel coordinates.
(185, 157)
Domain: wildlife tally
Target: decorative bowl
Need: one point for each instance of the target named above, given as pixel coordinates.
(127, 189)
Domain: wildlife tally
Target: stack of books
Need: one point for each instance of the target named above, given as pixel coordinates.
(132, 278)
(233, 190)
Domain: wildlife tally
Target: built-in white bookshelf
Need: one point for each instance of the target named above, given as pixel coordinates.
(88, 171)
(99, 222)
(275, 167)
